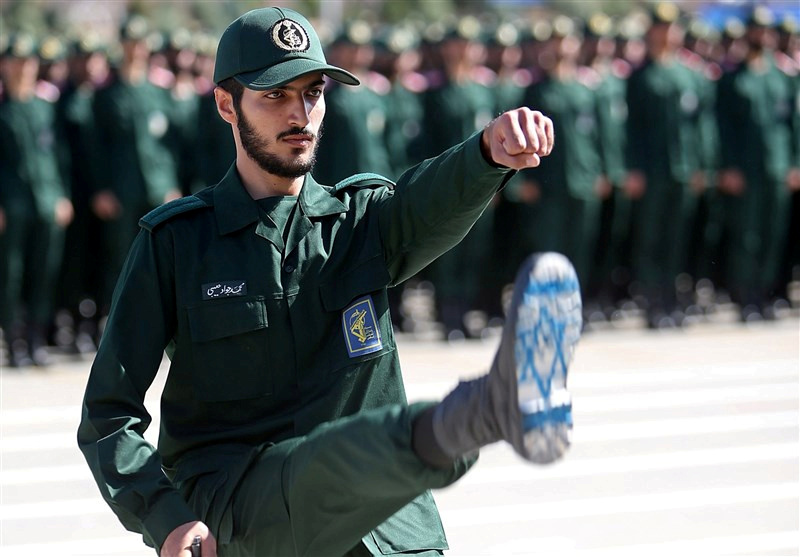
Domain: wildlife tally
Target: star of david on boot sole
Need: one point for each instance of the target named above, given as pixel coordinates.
(546, 319)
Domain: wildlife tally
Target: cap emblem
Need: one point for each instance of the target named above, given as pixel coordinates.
(290, 36)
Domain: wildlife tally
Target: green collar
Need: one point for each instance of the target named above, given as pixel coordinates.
(235, 208)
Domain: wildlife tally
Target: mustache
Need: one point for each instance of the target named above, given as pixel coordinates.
(297, 131)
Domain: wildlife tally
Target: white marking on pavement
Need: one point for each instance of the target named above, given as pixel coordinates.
(718, 546)
(623, 504)
(682, 426)
(570, 468)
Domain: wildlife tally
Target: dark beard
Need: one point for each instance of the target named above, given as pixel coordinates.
(257, 148)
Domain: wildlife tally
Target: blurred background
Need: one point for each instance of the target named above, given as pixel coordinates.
(673, 187)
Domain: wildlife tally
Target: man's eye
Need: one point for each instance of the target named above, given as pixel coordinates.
(273, 94)
(315, 92)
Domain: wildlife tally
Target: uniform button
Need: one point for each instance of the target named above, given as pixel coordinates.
(288, 268)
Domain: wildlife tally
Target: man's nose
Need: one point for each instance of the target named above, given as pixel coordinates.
(299, 115)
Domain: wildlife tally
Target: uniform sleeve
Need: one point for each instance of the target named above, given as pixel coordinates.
(125, 466)
(434, 205)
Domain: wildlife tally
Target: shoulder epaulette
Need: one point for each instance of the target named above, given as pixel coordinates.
(165, 212)
(363, 180)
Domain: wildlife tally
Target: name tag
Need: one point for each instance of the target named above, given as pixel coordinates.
(224, 289)
(360, 326)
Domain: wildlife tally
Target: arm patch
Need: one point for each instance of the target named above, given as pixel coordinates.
(363, 180)
(168, 210)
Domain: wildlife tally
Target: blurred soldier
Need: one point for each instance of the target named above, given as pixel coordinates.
(701, 54)
(353, 137)
(398, 59)
(456, 106)
(755, 105)
(53, 69)
(504, 57)
(663, 149)
(34, 206)
(600, 60)
(215, 149)
(788, 57)
(570, 184)
(180, 58)
(137, 168)
(80, 273)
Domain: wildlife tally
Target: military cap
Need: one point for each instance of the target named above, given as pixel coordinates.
(269, 47)
(734, 28)
(761, 16)
(51, 49)
(179, 39)
(20, 45)
(788, 24)
(598, 25)
(505, 34)
(564, 26)
(134, 28)
(467, 28)
(665, 13)
(397, 39)
(358, 33)
(538, 30)
(86, 43)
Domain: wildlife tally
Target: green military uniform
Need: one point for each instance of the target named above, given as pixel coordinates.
(31, 185)
(454, 111)
(79, 271)
(568, 213)
(664, 105)
(135, 161)
(284, 422)
(755, 108)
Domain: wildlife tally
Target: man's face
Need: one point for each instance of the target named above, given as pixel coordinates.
(280, 128)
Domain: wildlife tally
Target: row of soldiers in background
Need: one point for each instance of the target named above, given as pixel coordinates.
(676, 154)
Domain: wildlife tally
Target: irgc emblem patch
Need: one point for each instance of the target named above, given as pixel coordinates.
(290, 36)
(360, 326)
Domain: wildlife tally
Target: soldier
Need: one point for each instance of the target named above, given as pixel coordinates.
(755, 112)
(570, 184)
(180, 58)
(504, 56)
(456, 105)
(663, 99)
(599, 58)
(398, 59)
(284, 424)
(214, 142)
(34, 206)
(80, 273)
(356, 117)
(136, 164)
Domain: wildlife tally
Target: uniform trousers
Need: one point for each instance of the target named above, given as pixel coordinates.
(320, 494)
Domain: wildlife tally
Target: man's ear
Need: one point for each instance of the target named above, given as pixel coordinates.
(225, 108)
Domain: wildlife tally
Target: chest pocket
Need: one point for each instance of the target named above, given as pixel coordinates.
(229, 343)
(367, 280)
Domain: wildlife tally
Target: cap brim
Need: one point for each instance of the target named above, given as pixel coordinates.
(283, 73)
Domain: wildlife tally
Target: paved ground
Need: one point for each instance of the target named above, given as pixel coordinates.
(686, 443)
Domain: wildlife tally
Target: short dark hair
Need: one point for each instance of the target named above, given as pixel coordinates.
(236, 90)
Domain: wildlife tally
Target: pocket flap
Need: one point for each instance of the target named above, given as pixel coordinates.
(217, 319)
(367, 277)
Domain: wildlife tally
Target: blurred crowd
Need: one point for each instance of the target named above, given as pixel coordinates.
(674, 181)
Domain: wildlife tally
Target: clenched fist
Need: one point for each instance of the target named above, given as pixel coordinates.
(518, 139)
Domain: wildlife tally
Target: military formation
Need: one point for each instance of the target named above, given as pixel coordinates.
(677, 159)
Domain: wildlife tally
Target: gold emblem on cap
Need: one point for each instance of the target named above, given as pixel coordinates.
(290, 36)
